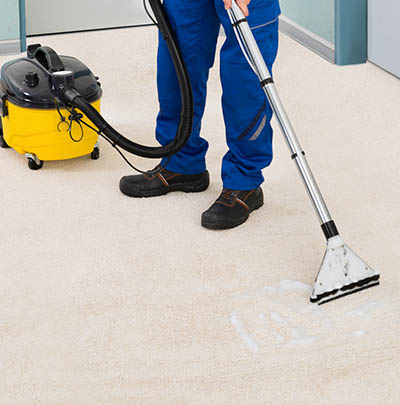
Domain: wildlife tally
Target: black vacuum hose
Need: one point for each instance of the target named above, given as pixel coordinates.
(71, 97)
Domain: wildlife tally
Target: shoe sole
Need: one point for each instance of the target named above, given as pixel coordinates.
(193, 187)
(228, 223)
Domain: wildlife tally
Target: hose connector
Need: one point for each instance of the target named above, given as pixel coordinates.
(61, 81)
(68, 96)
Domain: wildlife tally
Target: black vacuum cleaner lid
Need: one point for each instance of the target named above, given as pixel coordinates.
(27, 83)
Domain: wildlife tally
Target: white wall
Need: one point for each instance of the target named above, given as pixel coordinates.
(49, 16)
(384, 34)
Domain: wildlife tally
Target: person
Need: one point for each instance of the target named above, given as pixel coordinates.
(247, 113)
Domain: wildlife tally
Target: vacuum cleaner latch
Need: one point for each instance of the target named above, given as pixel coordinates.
(3, 107)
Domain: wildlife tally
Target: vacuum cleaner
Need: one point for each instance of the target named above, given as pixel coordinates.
(33, 121)
(44, 92)
(46, 101)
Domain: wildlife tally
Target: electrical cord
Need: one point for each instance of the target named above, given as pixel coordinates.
(241, 42)
(74, 117)
(148, 13)
(77, 117)
(151, 172)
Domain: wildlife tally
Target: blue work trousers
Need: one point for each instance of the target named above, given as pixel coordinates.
(247, 114)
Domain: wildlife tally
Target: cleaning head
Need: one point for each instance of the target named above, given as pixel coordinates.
(342, 273)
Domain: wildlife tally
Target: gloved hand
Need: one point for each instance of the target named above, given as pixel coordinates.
(241, 3)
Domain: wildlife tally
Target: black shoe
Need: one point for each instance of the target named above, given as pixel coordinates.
(232, 208)
(152, 185)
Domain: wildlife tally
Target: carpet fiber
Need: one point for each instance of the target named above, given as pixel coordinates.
(111, 300)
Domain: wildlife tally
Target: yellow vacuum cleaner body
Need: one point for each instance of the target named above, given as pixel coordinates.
(33, 121)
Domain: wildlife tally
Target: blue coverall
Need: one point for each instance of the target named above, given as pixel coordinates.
(247, 114)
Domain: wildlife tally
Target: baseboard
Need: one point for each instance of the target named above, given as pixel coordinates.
(307, 38)
(10, 47)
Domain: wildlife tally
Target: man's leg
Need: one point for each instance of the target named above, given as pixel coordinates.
(196, 25)
(247, 112)
(247, 116)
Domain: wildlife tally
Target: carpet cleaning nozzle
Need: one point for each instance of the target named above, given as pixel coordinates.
(342, 271)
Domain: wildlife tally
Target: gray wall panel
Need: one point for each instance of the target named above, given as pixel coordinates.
(51, 16)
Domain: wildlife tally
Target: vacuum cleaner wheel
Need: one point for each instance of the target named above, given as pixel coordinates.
(34, 163)
(95, 154)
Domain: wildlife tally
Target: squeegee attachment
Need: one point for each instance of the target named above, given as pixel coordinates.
(342, 272)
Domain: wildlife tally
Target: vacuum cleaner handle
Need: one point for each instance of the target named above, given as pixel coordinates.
(49, 59)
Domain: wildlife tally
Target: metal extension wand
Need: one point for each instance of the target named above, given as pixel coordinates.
(342, 271)
(257, 62)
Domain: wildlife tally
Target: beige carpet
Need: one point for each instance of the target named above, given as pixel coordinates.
(109, 300)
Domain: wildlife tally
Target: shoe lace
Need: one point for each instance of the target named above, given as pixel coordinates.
(229, 195)
(157, 169)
